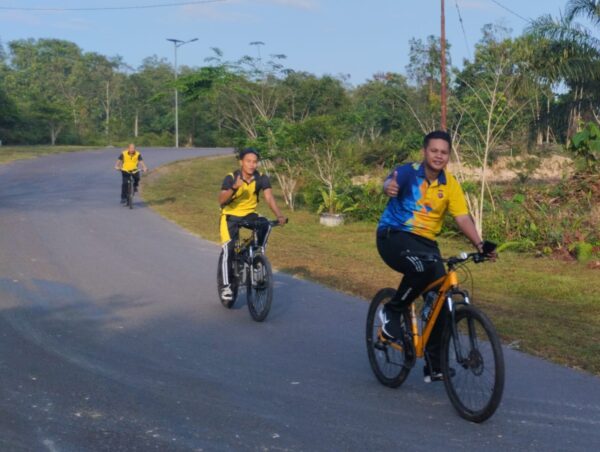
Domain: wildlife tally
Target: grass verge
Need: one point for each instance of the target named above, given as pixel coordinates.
(12, 153)
(545, 307)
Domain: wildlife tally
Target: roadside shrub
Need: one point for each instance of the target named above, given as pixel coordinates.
(369, 201)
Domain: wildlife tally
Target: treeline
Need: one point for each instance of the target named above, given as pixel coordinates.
(516, 95)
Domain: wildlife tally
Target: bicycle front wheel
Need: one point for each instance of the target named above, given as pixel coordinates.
(259, 290)
(390, 361)
(473, 364)
(130, 194)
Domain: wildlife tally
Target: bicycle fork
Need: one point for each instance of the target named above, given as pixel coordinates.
(458, 348)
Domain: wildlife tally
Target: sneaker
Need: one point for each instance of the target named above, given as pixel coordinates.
(226, 294)
(391, 325)
(436, 375)
(123, 200)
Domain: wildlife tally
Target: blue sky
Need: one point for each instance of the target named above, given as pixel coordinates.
(353, 37)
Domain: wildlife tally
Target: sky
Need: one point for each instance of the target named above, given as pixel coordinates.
(355, 38)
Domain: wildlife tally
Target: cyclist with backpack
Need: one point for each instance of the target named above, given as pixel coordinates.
(238, 200)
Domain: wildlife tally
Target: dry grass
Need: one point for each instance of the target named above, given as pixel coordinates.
(12, 153)
(546, 307)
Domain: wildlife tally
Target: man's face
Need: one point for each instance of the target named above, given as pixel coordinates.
(437, 154)
(249, 163)
(131, 149)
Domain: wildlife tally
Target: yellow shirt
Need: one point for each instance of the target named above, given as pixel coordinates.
(129, 161)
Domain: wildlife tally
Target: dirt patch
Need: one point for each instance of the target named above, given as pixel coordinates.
(507, 169)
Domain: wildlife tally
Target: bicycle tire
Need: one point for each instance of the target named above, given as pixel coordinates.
(260, 294)
(390, 364)
(474, 387)
(130, 193)
(233, 284)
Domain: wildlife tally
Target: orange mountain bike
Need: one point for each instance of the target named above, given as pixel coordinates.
(471, 362)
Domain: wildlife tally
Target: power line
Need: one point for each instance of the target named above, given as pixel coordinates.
(462, 25)
(111, 8)
(511, 11)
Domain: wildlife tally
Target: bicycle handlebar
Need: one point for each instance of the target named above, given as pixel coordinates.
(477, 257)
(253, 224)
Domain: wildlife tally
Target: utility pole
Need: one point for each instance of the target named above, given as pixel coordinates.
(443, 71)
(176, 44)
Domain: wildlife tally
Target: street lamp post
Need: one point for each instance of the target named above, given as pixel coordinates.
(176, 44)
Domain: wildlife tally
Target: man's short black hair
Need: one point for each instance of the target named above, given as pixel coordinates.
(245, 151)
(437, 135)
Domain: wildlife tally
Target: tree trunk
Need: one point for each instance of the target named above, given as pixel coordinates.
(54, 131)
(136, 123)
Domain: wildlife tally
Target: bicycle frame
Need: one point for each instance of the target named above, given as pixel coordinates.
(249, 245)
(449, 287)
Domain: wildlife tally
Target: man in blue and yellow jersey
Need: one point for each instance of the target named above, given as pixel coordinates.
(420, 196)
(127, 162)
(238, 200)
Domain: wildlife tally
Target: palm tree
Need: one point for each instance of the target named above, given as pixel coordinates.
(587, 8)
(570, 54)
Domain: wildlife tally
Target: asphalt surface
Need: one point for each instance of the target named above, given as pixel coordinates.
(112, 339)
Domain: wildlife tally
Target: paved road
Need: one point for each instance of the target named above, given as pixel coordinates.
(112, 338)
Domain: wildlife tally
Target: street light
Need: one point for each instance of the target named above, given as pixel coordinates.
(176, 44)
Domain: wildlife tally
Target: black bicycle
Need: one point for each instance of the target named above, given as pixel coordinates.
(252, 269)
(130, 186)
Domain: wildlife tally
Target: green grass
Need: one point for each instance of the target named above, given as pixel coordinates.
(542, 306)
(12, 153)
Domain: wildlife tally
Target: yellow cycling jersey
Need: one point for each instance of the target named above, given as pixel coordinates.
(420, 205)
(129, 161)
(244, 200)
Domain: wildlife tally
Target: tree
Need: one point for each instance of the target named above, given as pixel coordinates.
(575, 54)
(488, 102)
(44, 81)
(425, 73)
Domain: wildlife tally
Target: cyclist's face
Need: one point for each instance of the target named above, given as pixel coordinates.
(249, 164)
(131, 149)
(437, 154)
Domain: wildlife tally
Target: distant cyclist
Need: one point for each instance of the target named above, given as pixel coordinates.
(127, 162)
(238, 200)
(420, 196)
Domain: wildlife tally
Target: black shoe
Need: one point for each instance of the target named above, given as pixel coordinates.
(123, 200)
(391, 323)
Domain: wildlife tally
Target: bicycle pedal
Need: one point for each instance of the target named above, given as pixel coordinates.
(392, 343)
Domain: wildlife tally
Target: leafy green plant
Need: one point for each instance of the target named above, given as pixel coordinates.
(583, 251)
(333, 203)
(586, 145)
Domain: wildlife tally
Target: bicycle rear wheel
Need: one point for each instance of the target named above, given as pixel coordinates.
(233, 284)
(390, 362)
(260, 292)
(475, 382)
